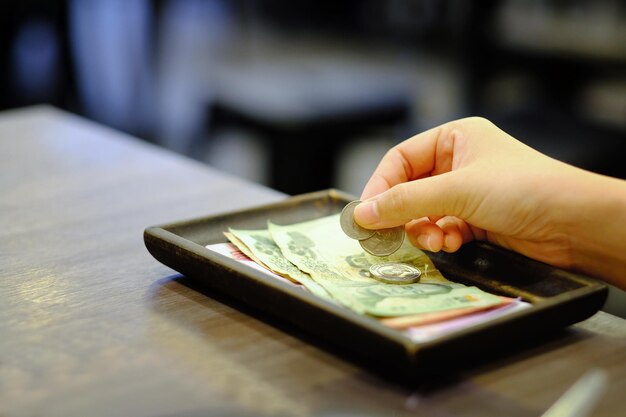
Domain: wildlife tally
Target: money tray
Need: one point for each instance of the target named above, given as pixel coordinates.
(559, 298)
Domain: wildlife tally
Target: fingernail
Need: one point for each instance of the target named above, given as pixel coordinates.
(366, 213)
(424, 241)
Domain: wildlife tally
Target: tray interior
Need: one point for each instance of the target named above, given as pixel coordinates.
(488, 267)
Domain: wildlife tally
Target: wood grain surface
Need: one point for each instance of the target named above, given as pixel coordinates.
(92, 325)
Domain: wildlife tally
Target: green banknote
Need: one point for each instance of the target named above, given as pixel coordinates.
(337, 263)
(263, 248)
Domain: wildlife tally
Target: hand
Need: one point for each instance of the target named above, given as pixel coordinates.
(469, 180)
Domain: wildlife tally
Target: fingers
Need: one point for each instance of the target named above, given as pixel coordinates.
(433, 196)
(456, 232)
(419, 156)
(425, 235)
(436, 151)
(447, 234)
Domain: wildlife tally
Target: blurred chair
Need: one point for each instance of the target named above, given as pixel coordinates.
(112, 48)
(305, 106)
(35, 64)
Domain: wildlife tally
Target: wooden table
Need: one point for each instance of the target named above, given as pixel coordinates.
(91, 325)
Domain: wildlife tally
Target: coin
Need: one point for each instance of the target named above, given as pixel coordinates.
(395, 273)
(349, 226)
(384, 242)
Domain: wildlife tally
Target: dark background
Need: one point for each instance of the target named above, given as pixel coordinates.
(307, 95)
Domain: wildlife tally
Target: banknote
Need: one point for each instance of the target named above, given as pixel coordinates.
(414, 320)
(233, 252)
(337, 263)
(432, 331)
(243, 248)
(258, 245)
(420, 328)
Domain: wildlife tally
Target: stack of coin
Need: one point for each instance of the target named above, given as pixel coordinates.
(381, 242)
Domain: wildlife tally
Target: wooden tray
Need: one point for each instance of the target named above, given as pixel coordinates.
(559, 298)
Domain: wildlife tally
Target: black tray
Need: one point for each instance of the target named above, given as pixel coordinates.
(559, 298)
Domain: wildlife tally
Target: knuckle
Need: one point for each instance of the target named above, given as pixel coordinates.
(473, 121)
(479, 120)
(391, 152)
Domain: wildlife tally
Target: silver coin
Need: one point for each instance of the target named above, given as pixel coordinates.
(349, 226)
(384, 242)
(395, 273)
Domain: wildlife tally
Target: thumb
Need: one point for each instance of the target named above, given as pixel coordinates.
(439, 195)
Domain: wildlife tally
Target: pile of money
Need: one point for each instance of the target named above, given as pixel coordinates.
(318, 255)
(381, 242)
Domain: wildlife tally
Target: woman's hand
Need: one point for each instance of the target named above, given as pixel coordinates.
(469, 180)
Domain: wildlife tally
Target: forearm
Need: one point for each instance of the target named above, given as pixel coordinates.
(595, 207)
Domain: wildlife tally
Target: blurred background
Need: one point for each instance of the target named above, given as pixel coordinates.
(308, 95)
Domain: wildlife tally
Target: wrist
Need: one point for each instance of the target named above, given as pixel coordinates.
(594, 209)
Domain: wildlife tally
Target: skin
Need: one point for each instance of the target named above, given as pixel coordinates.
(468, 179)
